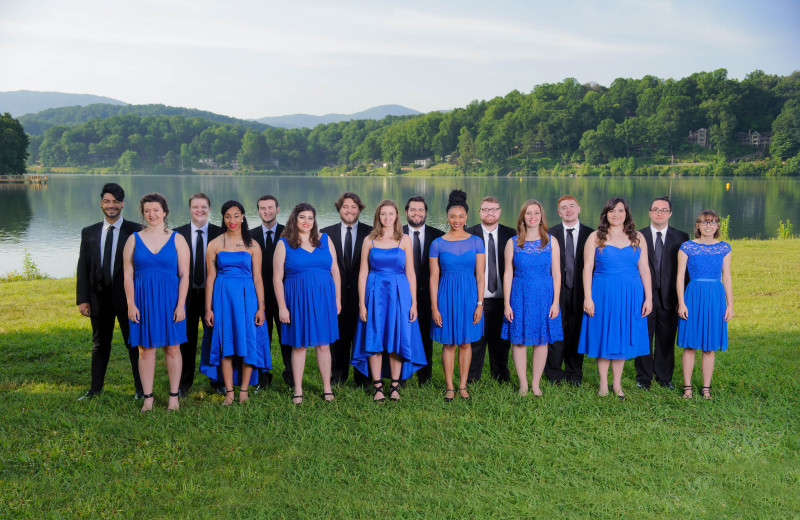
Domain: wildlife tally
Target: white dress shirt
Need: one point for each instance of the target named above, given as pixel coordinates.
(116, 225)
(497, 245)
(577, 229)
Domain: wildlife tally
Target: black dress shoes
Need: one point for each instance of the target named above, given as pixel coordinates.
(89, 395)
(139, 394)
(668, 386)
(643, 386)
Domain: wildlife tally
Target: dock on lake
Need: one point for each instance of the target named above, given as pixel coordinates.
(23, 179)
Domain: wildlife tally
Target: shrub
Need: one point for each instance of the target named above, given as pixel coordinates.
(30, 271)
(785, 230)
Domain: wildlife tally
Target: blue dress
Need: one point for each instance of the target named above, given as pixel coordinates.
(156, 283)
(705, 327)
(531, 296)
(235, 304)
(387, 329)
(310, 296)
(458, 290)
(617, 330)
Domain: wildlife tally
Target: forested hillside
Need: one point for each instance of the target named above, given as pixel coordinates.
(566, 124)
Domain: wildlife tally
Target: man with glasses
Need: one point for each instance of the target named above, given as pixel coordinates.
(663, 244)
(494, 236)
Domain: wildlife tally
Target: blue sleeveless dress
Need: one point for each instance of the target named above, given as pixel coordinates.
(705, 327)
(617, 330)
(310, 296)
(531, 297)
(387, 329)
(235, 304)
(458, 290)
(155, 283)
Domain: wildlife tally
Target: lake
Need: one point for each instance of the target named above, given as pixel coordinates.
(46, 220)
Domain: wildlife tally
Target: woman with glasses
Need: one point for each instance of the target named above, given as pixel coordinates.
(707, 303)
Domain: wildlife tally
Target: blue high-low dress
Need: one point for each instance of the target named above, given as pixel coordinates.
(458, 290)
(617, 330)
(532, 296)
(235, 333)
(705, 327)
(387, 329)
(310, 296)
(156, 283)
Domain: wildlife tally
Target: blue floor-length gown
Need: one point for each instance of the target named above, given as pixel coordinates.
(387, 329)
(156, 284)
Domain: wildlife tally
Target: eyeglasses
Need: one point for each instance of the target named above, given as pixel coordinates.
(490, 210)
(708, 222)
(662, 211)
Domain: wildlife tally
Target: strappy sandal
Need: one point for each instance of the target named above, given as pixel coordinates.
(687, 392)
(706, 395)
(226, 396)
(324, 394)
(146, 397)
(174, 394)
(462, 397)
(240, 395)
(297, 397)
(449, 399)
(377, 388)
(394, 389)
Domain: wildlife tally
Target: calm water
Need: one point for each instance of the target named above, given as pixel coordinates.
(47, 220)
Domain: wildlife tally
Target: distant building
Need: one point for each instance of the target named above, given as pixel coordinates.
(209, 163)
(424, 163)
(756, 139)
(447, 158)
(699, 137)
(234, 164)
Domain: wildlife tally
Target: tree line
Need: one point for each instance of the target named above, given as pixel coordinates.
(632, 121)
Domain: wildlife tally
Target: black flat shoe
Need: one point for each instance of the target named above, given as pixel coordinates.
(461, 396)
(449, 399)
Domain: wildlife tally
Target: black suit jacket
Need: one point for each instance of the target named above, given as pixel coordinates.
(266, 262)
(572, 297)
(504, 233)
(90, 275)
(669, 264)
(424, 274)
(349, 277)
(186, 232)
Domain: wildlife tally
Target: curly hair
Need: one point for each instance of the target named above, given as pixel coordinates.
(377, 227)
(522, 227)
(628, 226)
(246, 238)
(457, 198)
(157, 198)
(292, 233)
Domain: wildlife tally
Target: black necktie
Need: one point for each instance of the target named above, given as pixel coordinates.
(107, 267)
(199, 277)
(569, 259)
(417, 254)
(348, 248)
(268, 242)
(492, 285)
(657, 259)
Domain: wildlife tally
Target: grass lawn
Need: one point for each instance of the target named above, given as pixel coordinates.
(570, 454)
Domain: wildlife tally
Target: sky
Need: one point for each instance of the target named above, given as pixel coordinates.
(252, 59)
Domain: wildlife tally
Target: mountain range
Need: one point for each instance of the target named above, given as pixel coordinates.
(21, 102)
(309, 121)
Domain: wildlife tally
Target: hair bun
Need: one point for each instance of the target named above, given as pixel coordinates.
(457, 198)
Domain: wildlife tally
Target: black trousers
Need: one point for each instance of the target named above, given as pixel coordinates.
(662, 327)
(273, 322)
(498, 347)
(424, 317)
(342, 349)
(566, 351)
(102, 333)
(195, 311)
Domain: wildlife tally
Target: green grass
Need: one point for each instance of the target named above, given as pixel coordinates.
(569, 455)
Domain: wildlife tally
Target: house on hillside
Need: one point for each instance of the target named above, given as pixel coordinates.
(423, 163)
(756, 139)
(699, 137)
(209, 163)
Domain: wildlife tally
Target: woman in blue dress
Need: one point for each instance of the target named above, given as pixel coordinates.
(239, 346)
(387, 305)
(707, 303)
(156, 264)
(532, 282)
(617, 294)
(457, 265)
(309, 298)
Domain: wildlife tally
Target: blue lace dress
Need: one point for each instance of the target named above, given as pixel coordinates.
(531, 297)
(458, 290)
(705, 327)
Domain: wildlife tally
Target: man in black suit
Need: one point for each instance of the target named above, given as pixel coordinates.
(663, 244)
(198, 233)
(494, 236)
(571, 236)
(421, 237)
(347, 237)
(100, 293)
(267, 235)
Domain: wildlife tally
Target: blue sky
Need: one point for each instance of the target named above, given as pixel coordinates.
(251, 59)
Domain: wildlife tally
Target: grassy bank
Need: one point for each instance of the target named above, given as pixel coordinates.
(570, 454)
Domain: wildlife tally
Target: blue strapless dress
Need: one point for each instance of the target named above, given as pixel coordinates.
(387, 329)
(617, 330)
(156, 283)
(235, 333)
(705, 327)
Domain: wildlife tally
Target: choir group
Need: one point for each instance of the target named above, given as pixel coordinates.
(377, 297)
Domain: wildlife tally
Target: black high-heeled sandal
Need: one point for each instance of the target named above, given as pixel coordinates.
(297, 397)
(394, 388)
(687, 392)
(377, 387)
(145, 397)
(461, 396)
(706, 395)
(328, 400)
